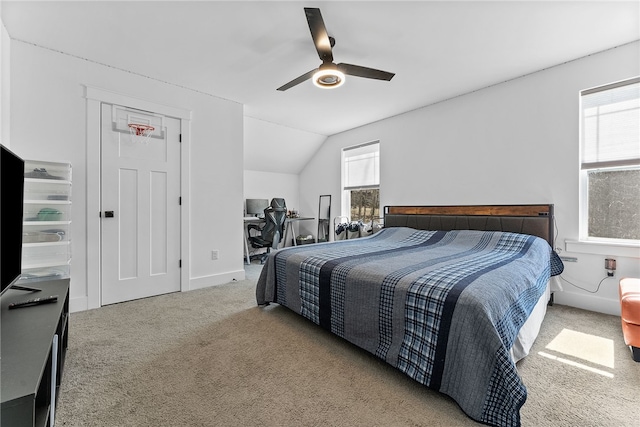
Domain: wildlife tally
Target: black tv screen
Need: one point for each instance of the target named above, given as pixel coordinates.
(11, 203)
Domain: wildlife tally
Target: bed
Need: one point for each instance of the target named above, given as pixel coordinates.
(452, 296)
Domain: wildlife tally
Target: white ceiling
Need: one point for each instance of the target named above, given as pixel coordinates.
(243, 51)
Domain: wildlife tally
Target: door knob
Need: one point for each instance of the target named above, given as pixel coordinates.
(108, 214)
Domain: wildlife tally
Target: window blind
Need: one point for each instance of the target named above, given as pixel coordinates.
(611, 125)
(362, 166)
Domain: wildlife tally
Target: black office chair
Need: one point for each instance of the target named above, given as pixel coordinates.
(272, 231)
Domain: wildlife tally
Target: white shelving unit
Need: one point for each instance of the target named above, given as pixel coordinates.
(46, 242)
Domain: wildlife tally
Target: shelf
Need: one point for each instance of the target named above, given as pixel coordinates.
(47, 223)
(42, 416)
(46, 242)
(47, 202)
(44, 265)
(47, 181)
(41, 244)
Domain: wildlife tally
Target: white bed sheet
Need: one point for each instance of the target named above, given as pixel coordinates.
(529, 331)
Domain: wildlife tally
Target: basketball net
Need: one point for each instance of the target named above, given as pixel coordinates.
(140, 133)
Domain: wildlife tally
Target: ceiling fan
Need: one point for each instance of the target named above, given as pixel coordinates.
(329, 75)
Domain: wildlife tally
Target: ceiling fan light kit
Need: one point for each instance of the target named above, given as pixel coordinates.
(330, 75)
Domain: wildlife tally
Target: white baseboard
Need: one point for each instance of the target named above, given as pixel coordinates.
(588, 302)
(78, 304)
(215, 279)
(82, 303)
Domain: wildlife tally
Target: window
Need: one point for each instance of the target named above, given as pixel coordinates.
(610, 162)
(361, 182)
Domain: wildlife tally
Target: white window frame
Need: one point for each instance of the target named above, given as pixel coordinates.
(346, 191)
(590, 244)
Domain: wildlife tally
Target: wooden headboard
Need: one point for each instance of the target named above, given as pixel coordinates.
(536, 220)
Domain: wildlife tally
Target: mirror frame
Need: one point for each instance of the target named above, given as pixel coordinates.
(324, 221)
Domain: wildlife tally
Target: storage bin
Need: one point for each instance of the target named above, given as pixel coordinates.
(43, 236)
(36, 212)
(44, 273)
(304, 240)
(36, 255)
(46, 191)
(47, 170)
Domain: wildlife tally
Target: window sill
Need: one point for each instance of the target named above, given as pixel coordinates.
(603, 248)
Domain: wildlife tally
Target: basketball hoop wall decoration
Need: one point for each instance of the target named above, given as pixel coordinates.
(140, 133)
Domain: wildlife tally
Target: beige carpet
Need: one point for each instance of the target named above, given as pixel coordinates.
(212, 358)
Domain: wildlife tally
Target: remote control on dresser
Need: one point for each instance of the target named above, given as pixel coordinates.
(34, 301)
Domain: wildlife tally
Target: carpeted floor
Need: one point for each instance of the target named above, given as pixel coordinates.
(210, 357)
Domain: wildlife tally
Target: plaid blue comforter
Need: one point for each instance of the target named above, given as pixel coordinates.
(442, 307)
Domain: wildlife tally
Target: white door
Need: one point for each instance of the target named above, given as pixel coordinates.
(140, 208)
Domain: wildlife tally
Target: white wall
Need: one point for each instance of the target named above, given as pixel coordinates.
(48, 122)
(5, 88)
(270, 147)
(267, 185)
(512, 143)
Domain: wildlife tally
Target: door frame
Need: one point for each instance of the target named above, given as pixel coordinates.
(95, 97)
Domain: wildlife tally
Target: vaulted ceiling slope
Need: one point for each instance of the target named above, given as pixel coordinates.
(244, 50)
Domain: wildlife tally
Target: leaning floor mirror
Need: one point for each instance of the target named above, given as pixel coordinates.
(324, 216)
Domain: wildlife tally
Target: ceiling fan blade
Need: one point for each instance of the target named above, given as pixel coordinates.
(369, 73)
(319, 33)
(297, 80)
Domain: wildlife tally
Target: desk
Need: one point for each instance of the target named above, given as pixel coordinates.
(289, 229)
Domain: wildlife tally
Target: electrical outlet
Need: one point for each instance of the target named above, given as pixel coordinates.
(214, 255)
(610, 266)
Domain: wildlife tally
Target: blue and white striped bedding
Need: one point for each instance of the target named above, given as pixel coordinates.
(442, 307)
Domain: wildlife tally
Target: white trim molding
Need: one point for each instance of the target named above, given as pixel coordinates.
(95, 97)
(588, 302)
(216, 279)
(629, 250)
(110, 97)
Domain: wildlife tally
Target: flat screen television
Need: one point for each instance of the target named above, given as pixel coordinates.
(11, 206)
